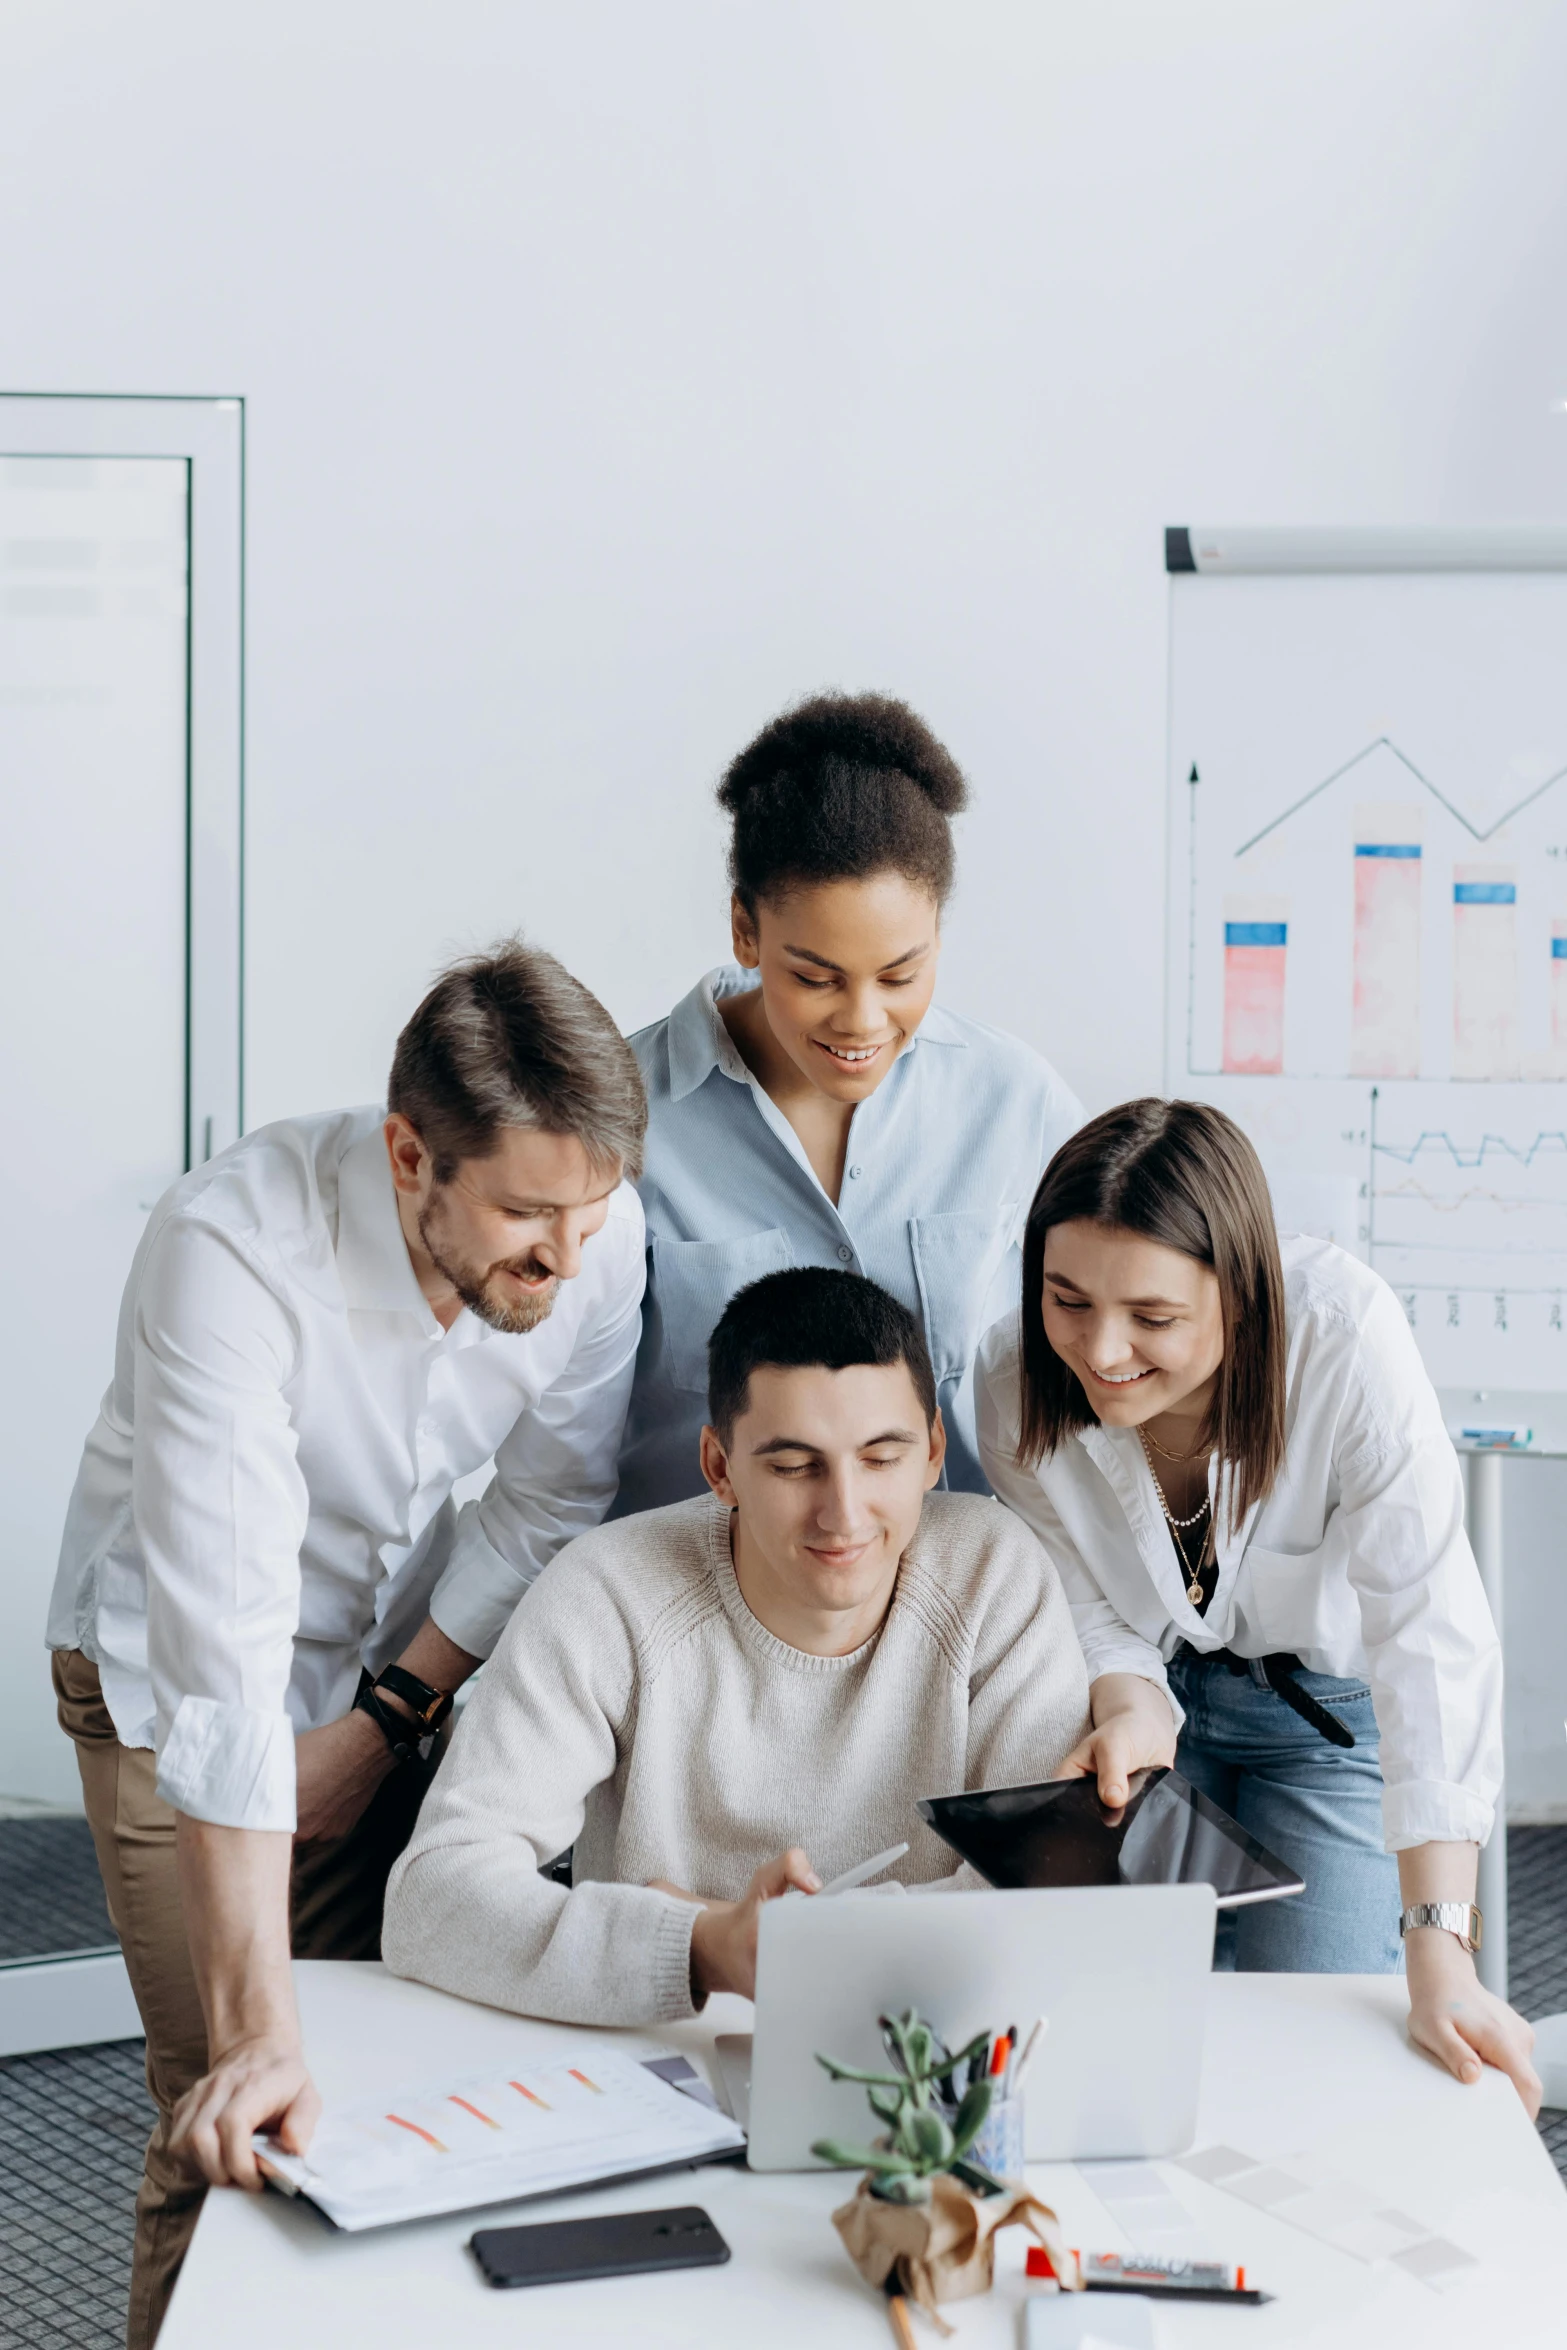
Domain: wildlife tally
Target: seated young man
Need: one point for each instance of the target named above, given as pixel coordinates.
(741, 1693)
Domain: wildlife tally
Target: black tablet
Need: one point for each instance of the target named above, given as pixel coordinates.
(1061, 1834)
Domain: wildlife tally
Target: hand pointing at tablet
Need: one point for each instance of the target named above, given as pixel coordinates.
(1133, 1730)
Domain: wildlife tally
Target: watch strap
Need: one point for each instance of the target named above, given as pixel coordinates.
(1453, 1917)
(405, 1738)
(428, 1706)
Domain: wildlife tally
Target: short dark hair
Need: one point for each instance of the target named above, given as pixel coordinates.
(838, 788)
(510, 1039)
(804, 1317)
(1183, 1174)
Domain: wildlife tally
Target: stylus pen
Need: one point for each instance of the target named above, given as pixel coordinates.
(867, 1868)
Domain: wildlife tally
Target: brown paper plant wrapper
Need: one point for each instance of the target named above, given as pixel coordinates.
(944, 2250)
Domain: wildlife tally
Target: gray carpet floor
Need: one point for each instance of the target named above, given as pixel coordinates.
(72, 2126)
(53, 1896)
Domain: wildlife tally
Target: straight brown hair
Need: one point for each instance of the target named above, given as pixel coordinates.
(510, 1039)
(1184, 1175)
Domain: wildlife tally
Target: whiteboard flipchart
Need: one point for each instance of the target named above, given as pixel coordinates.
(1367, 914)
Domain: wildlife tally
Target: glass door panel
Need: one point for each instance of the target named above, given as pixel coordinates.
(105, 980)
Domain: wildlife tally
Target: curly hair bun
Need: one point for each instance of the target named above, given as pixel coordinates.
(838, 788)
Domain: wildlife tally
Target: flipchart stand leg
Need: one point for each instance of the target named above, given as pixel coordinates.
(1484, 1514)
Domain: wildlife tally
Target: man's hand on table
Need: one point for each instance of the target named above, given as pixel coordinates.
(234, 1895)
(257, 2084)
(723, 1938)
(1454, 2018)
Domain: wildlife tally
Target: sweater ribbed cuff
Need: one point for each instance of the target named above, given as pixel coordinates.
(669, 1963)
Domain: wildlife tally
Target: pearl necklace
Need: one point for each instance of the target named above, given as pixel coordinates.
(1179, 1526)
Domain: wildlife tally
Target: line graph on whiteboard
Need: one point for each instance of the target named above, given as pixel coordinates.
(1368, 929)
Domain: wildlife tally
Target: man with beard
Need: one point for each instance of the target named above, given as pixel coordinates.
(266, 1595)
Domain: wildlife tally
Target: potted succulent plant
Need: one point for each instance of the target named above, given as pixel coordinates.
(930, 2123)
(924, 2217)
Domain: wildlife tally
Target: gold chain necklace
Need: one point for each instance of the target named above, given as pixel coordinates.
(1182, 1458)
(1179, 1526)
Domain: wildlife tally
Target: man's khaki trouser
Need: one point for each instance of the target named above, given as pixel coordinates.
(336, 1898)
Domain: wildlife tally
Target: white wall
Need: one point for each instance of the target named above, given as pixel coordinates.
(617, 372)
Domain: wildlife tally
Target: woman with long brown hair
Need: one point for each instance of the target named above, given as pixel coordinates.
(1234, 1454)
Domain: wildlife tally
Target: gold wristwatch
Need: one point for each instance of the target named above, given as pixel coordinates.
(1454, 1917)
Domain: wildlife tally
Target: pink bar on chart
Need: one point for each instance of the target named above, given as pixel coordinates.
(1485, 972)
(1384, 1022)
(1255, 941)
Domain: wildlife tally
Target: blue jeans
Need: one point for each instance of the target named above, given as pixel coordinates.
(1316, 1805)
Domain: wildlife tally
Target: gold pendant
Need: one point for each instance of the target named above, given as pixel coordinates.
(1194, 1591)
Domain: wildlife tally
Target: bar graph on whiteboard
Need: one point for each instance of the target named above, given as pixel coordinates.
(1367, 929)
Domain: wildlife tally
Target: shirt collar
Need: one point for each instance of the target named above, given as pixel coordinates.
(373, 1263)
(699, 1042)
(939, 1027)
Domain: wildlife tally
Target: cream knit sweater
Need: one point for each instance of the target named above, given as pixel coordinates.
(635, 1708)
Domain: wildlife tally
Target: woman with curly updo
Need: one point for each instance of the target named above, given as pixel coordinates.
(810, 1104)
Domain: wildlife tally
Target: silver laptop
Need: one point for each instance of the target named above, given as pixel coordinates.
(1120, 1972)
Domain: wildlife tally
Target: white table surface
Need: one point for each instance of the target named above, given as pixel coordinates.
(1291, 2062)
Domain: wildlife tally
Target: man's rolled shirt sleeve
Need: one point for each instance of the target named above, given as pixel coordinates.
(556, 1472)
(220, 1511)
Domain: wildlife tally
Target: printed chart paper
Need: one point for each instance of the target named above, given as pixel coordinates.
(497, 2137)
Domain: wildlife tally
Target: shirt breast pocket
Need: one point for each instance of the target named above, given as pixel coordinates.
(1304, 1599)
(956, 1258)
(693, 1281)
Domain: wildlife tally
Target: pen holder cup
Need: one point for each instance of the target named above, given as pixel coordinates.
(999, 2146)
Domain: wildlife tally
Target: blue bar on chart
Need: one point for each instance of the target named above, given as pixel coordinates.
(1559, 995)
(1255, 937)
(1485, 972)
(1384, 1025)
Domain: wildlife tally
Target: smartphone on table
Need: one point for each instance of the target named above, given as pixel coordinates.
(609, 2244)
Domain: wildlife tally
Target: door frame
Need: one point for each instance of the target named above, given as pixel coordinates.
(65, 1999)
(209, 434)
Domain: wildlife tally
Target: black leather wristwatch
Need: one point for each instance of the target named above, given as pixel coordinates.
(409, 1741)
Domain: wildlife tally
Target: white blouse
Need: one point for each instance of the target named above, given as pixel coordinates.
(1357, 1561)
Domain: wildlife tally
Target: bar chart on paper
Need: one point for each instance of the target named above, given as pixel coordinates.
(1368, 927)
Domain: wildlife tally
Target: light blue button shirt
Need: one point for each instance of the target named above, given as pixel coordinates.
(942, 1162)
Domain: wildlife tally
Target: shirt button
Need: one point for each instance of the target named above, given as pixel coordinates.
(844, 1255)
(855, 1173)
